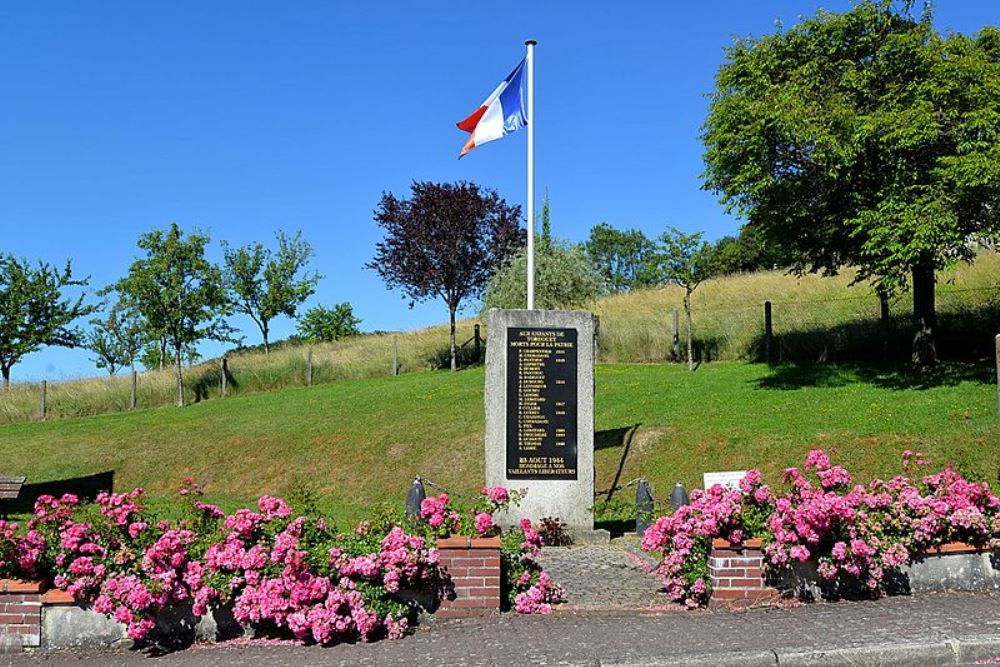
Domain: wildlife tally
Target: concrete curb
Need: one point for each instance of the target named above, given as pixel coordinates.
(906, 654)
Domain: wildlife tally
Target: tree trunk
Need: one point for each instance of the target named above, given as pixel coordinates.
(454, 350)
(180, 377)
(924, 316)
(5, 370)
(267, 346)
(690, 336)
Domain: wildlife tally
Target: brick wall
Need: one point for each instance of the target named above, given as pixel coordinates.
(20, 612)
(473, 567)
(737, 573)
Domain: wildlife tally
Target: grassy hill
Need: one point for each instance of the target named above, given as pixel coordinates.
(814, 318)
(359, 442)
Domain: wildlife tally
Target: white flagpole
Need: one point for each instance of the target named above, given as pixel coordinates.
(530, 62)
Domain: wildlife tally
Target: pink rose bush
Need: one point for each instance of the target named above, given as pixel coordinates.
(861, 532)
(280, 570)
(528, 588)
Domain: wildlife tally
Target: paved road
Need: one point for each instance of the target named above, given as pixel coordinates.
(929, 629)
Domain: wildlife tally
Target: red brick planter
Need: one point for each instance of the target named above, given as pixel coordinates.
(473, 566)
(737, 573)
(21, 611)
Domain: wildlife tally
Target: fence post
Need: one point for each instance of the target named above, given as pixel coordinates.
(41, 404)
(998, 372)
(309, 368)
(884, 325)
(478, 342)
(132, 398)
(395, 356)
(675, 338)
(225, 375)
(768, 332)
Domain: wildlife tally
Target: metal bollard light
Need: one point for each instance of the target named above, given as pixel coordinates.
(643, 507)
(679, 496)
(414, 497)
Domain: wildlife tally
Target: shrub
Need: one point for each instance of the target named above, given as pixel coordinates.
(280, 570)
(859, 531)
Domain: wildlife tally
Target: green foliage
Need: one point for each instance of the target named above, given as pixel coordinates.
(862, 138)
(34, 311)
(328, 324)
(180, 295)
(265, 283)
(626, 258)
(747, 252)
(684, 259)
(687, 261)
(565, 277)
(118, 339)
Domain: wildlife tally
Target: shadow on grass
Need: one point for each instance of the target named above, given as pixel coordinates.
(85, 488)
(789, 376)
(611, 438)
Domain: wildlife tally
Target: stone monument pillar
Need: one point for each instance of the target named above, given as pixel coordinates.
(540, 414)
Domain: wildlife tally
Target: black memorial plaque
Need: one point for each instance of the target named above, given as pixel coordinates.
(541, 403)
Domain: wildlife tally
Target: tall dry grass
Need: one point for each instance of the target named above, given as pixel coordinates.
(348, 358)
(813, 317)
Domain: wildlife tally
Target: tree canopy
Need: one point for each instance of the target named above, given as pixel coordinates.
(180, 295)
(34, 310)
(565, 277)
(862, 138)
(624, 257)
(328, 324)
(265, 283)
(444, 241)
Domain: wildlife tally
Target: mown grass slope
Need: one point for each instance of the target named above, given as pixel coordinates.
(360, 442)
(814, 318)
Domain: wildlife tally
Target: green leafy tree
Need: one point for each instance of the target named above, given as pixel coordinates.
(444, 242)
(265, 283)
(565, 277)
(625, 257)
(863, 138)
(685, 260)
(328, 324)
(34, 310)
(748, 252)
(118, 339)
(180, 295)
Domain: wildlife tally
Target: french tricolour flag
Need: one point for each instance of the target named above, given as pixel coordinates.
(500, 114)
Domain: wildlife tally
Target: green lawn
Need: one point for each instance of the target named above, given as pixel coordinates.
(360, 442)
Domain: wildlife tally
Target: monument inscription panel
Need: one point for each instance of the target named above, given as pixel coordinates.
(541, 403)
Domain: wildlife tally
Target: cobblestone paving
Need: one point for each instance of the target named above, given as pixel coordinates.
(604, 577)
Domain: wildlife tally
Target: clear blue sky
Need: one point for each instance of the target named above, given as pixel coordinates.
(244, 117)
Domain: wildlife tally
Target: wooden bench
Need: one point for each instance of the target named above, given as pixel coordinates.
(10, 488)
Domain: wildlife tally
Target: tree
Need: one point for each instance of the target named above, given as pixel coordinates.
(328, 324)
(565, 277)
(748, 252)
(685, 260)
(265, 283)
(445, 241)
(34, 311)
(118, 339)
(180, 295)
(863, 138)
(625, 258)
